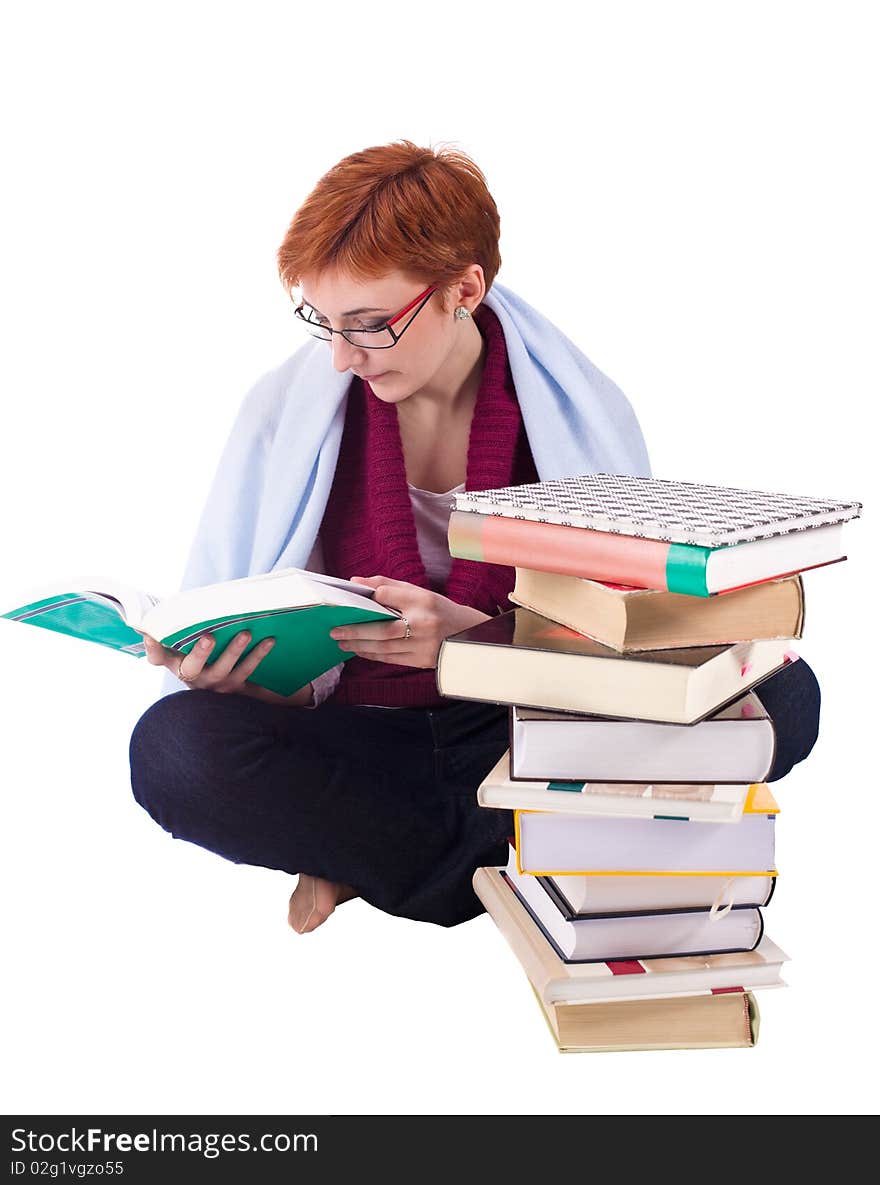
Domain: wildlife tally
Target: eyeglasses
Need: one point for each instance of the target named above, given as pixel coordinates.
(374, 337)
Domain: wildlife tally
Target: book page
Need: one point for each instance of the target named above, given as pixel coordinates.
(280, 589)
(129, 602)
(360, 590)
(100, 617)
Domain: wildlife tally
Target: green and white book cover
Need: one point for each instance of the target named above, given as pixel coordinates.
(296, 608)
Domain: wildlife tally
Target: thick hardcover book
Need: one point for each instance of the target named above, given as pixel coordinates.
(645, 935)
(295, 607)
(500, 536)
(625, 894)
(655, 508)
(721, 1020)
(551, 844)
(736, 745)
(519, 657)
(557, 981)
(698, 802)
(631, 619)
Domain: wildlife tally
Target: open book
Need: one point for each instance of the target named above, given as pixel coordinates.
(296, 608)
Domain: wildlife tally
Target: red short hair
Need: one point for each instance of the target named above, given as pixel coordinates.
(423, 211)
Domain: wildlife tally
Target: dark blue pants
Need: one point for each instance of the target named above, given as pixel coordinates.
(382, 800)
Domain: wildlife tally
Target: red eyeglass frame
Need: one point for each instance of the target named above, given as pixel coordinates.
(422, 296)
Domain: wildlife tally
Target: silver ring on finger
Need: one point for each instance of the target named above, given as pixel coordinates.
(408, 633)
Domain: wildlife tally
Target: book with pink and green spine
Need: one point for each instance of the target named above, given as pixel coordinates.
(680, 537)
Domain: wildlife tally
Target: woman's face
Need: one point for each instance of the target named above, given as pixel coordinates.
(416, 362)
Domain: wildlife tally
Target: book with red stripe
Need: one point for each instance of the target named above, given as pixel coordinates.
(557, 981)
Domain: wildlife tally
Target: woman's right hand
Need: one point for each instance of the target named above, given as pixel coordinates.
(229, 674)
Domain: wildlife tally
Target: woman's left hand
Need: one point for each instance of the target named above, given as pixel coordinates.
(431, 618)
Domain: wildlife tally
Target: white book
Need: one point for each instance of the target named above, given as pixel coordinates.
(735, 745)
(582, 896)
(550, 844)
(644, 935)
(557, 981)
(698, 802)
(520, 657)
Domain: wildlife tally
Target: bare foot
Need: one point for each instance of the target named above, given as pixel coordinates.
(313, 900)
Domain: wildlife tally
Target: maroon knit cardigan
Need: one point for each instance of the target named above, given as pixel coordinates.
(369, 528)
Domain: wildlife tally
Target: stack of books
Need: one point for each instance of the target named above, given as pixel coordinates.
(648, 614)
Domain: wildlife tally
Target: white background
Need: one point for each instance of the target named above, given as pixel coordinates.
(690, 192)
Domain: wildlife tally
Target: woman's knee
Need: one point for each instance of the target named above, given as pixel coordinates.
(793, 699)
(200, 752)
(148, 752)
(168, 749)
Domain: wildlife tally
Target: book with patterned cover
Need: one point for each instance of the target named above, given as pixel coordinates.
(656, 508)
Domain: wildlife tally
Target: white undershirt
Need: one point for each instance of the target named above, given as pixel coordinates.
(431, 512)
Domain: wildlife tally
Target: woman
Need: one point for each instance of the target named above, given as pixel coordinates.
(429, 378)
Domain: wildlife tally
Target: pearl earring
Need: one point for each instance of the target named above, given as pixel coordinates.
(461, 313)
